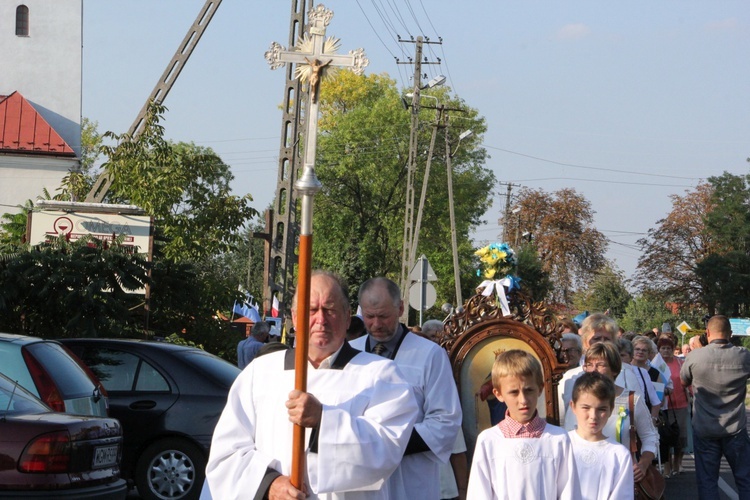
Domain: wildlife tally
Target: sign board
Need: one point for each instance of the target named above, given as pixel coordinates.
(740, 326)
(683, 328)
(136, 229)
(419, 274)
(421, 301)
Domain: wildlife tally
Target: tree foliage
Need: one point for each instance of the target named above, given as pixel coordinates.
(606, 291)
(535, 281)
(645, 312)
(562, 227)
(363, 151)
(673, 249)
(185, 187)
(71, 289)
(725, 273)
(77, 184)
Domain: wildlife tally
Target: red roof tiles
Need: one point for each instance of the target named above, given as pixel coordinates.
(23, 130)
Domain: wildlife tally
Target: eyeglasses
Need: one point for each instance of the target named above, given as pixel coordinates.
(596, 366)
(639, 350)
(566, 351)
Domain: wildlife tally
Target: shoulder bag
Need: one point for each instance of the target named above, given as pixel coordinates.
(669, 433)
(652, 486)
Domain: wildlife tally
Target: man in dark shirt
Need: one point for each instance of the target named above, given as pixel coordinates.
(719, 374)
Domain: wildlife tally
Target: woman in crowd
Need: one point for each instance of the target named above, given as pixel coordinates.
(604, 358)
(643, 350)
(675, 408)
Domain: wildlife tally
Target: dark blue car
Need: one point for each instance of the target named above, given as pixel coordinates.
(168, 399)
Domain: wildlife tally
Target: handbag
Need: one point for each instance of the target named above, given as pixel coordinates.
(652, 486)
(669, 433)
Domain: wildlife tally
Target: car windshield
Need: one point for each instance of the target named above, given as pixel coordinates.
(15, 400)
(220, 370)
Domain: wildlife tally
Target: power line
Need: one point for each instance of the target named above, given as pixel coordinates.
(555, 162)
(603, 181)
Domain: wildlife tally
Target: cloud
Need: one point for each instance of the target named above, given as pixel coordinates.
(729, 24)
(573, 32)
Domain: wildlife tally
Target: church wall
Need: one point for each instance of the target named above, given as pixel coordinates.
(23, 177)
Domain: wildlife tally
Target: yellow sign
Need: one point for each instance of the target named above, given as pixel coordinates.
(683, 328)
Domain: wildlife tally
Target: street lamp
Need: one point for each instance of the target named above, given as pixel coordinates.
(463, 135)
(438, 80)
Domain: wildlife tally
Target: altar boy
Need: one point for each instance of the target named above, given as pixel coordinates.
(523, 456)
(605, 468)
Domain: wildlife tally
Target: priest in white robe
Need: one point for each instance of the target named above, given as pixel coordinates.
(427, 368)
(359, 410)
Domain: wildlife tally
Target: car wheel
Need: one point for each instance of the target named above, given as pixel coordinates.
(170, 469)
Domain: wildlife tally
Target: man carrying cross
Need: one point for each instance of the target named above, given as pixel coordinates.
(359, 409)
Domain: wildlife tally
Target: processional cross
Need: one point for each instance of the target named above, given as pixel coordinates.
(313, 55)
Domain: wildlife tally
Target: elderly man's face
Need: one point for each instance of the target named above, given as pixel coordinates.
(329, 317)
(379, 313)
(571, 352)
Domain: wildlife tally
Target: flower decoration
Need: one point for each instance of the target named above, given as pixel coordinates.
(498, 259)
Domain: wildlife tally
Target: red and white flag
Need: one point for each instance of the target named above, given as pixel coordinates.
(275, 308)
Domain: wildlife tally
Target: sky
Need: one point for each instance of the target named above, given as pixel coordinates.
(627, 102)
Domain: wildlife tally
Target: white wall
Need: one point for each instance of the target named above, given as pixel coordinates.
(45, 67)
(23, 177)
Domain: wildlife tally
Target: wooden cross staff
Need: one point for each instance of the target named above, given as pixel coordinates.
(313, 54)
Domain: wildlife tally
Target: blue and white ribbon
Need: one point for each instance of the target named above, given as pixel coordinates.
(497, 287)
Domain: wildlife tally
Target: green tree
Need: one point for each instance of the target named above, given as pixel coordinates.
(535, 281)
(77, 184)
(362, 154)
(724, 273)
(66, 289)
(185, 187)
(607, 291)
(562, 224)
(645, 312)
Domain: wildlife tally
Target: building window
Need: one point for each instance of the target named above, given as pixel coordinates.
(22, 20)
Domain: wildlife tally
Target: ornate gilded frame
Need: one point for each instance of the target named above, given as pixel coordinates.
(474, 335)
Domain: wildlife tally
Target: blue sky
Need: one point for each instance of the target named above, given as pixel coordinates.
(628, 102)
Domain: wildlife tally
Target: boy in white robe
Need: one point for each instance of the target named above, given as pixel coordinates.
(604, 467)
(359, 412)
(523, 456)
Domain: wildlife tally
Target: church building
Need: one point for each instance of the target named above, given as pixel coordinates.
(40, 96)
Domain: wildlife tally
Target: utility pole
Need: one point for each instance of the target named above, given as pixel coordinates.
(407, 261)
(454, 242)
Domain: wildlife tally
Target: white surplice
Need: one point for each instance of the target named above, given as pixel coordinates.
(539, 468)
(426, 367)
(605, 469)
(368, 415)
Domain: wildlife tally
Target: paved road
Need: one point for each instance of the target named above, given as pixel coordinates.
(683, 487)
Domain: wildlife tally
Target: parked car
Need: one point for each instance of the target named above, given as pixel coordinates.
(52, 373)
(168, 398)
(45, 454)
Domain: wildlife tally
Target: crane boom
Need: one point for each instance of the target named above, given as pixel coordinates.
(101, 187)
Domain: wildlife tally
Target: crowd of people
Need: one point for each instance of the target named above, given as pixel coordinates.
(383, 414)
